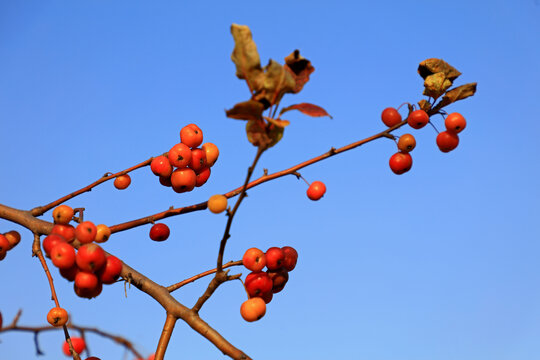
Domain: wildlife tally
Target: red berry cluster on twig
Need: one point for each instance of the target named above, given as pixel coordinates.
(89, 267)
(262, 285)
(186, 166)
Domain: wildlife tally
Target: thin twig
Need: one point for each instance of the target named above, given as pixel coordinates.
(178, 285)
(40, 210)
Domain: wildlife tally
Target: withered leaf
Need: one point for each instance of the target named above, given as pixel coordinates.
(424, 105)
(300, 68)
(275, 134)
(246, 57)
(436, 84)
(276, 83)
(308, 109)
(433, 66)
(456, 94)
(278, 122)
(256, 133)
(247, 110)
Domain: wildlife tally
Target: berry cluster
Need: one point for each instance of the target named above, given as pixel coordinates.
(89, 267)
(186, 166)
(262, 285)
(401, 162)
(8, 241)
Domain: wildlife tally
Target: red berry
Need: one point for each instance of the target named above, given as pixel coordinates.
(447, 141)
(455, 122)
(400, 163)
(159, 232)
(180, 155)
(390, 117)
(78, 346)
(122, 182)
(418, 119)
(161, 166)
(191, 135)
(316, 190)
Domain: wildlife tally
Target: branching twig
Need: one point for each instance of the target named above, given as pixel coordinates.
(177, 286)
(264, 178)
(81, 329)
(40, 210)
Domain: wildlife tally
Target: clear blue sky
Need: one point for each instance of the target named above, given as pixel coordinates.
(440, 263)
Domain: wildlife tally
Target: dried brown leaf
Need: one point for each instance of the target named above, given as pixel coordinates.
(275, 134)
(276, 83)
(300, 68)
(308, 109)
(456, 94)
(247, 110)
(424, 105)
(436, 84)
(256, 133)
(246, 57)
(433, 66)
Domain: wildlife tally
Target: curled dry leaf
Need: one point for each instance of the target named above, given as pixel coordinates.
(435, 85)
(456, 94)
(247, 110)
(277, 82)
(300, 68)
(246, 57)
(432, 66)
(260, 133)
(308, 109)
(424, 105)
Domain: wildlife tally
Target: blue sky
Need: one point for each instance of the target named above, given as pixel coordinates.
(439, 263)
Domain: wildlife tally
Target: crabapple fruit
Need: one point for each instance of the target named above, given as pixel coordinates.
(159, 232)
(390, 117)
(290, 259)
(180, 155)
(62, 214)
(78, 345)
(191, 135)
(103, 232)
(455, 122)
(122, 182)
(258, 283)
(400, 162)
(212, 153)
(316, 190)
(63, 255)
(161, 166)
(274, 258)
(183, 180)
(217, 203)
(253, 309)
(90, 257)
(86, 232)
(279, 279)
(110, 272)
(57, 316)
(198, 160)
(254, 259)
(447, 141)
(418, 119)
(65, 230)
(202, 176)
(13, 237)
(406, 143)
